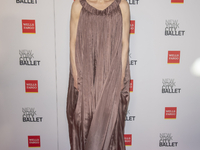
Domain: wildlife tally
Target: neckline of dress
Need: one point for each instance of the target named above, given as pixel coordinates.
(99, 9)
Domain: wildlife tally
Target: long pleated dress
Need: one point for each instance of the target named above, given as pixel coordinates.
(96, 112)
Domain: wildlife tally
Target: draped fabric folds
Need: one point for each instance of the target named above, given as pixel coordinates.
(96, 112)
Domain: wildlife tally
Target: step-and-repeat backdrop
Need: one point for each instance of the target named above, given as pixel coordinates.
(164, 57)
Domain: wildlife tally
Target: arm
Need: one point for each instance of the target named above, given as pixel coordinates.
(75, 13)
(125, 36)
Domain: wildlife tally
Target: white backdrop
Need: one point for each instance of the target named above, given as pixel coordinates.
(149, 48)
(13, 98)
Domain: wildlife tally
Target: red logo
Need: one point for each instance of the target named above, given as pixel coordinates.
(128, 139)
(28, 26)
(33, 141)
(177, 1)
(132, 27)
(131, 85)
(173, 57)
(31, 86)
(170, 112)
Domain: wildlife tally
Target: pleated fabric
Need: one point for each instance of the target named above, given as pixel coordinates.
(96, 112)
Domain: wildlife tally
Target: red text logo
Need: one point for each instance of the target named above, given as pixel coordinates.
(31, 86)
(132, 27)
(33, 141)
(128, 139)
(177, 1)
(131, 85)
(28, 26)
(170, 112)
(173, 57)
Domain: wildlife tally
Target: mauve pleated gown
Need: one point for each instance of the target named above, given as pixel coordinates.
(96, 113)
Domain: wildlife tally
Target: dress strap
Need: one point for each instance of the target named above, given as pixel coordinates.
(118, 1)
(82, 2)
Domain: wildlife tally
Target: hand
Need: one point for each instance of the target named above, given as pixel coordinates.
(76, 83)
(122, 84)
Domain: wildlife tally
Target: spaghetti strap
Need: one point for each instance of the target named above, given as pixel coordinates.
(82, 2)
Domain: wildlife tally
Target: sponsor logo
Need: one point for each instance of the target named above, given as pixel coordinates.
(28, 27)
(166, 140)
(168, 86)
(132, 27)
(31, 86)
(27, 1)
(172, 28)
(128, 139)
(26, 58)
(133, 2)
(173, 57)
(29, 115)
(132, 61)
(129, 117)
(177, 1)
(170, 112)
(131, 85)
(34, 141)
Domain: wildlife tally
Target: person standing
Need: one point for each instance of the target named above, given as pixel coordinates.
(99, 76)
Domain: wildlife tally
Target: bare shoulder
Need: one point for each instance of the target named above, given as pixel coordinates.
(76, 8)
(124, 7)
